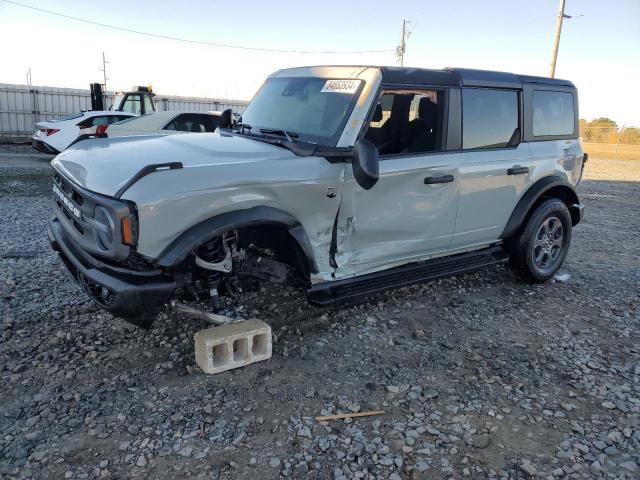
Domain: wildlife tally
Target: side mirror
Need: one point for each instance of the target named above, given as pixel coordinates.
(226, 119)
(365, 163)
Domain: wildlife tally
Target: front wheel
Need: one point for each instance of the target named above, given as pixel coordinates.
(541, 245)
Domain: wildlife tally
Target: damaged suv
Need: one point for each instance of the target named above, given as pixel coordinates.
(343, 180)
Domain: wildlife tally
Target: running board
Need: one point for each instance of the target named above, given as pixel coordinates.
(342, 290)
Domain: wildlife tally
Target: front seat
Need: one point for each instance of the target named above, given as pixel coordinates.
(376, 135)
(421, 131)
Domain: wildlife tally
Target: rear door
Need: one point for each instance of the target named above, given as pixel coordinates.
(495, 167)
(552, 130)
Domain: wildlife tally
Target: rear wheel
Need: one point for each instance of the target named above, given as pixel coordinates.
(541, 244)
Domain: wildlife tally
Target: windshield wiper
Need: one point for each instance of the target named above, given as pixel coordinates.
(283, 133)
(241, 126)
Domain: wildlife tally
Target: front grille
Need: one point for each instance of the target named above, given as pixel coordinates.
(76, 209)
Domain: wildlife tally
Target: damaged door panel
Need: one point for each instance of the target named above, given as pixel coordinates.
(402, 217)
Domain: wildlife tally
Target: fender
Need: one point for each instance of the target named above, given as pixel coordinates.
(562, 190)
(204, 231)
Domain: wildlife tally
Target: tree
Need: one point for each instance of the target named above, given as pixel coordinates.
(603, 122)
(603, 129)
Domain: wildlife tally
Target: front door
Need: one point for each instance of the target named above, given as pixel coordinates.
(410, 213)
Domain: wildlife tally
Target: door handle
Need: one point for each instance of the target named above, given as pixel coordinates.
(442, 179)
(518, 170)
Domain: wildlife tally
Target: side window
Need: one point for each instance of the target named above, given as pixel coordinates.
(186, 122)
(210, 122)
(407, 122)
(132, 104)
(171, 125)
(93, 122)
(100, 121)
(489, 118)
(114, 118)
(553, 113)
(193, 122)
(149, 107)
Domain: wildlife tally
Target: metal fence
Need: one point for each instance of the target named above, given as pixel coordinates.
(610, 134)
(22, 105)
(610, 141)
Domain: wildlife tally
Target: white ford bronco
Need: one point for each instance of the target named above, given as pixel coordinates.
(343, 180)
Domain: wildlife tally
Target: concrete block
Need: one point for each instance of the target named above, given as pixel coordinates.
(233, 345)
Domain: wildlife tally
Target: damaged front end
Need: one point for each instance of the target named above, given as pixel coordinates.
(239, 260)
(95, 237)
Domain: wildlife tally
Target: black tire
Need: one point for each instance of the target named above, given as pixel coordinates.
(540, 246)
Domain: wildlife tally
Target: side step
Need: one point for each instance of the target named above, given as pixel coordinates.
(342, 290)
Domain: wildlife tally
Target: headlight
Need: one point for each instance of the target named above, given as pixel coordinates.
(104, 227)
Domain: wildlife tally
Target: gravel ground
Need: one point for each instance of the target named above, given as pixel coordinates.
(20, 148)
(480, 376)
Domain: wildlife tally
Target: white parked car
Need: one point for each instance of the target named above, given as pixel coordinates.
(54, 136)
(165, 123)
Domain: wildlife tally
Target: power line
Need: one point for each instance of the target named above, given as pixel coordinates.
(186, 40)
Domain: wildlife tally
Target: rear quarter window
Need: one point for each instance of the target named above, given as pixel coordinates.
(553, 113)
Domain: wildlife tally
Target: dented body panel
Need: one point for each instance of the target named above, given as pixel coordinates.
(405, 220)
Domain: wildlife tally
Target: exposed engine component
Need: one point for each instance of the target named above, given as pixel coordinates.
(214, 262)
(238, 261)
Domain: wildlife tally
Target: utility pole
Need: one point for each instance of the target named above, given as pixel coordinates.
(556, 41)
(104, 71)
(400, 49)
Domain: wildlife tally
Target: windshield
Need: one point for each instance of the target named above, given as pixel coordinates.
(310, 109)
(117, 100)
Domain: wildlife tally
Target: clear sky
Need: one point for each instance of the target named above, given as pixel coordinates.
(599, 51)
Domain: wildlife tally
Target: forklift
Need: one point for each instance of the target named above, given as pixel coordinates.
(139, 100)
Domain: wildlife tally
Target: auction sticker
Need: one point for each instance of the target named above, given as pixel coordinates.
(341, 86)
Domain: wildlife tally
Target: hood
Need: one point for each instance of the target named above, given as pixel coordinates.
(103, 165)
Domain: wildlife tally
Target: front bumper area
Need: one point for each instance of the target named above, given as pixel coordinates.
(136, 296)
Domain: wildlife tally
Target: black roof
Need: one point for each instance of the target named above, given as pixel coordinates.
(463, 77)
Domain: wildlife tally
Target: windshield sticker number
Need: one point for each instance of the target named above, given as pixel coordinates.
(341, 86)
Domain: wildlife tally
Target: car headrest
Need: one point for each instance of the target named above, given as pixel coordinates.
(377, 115)
(428, 111)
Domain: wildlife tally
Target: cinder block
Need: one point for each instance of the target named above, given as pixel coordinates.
(233, 345)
